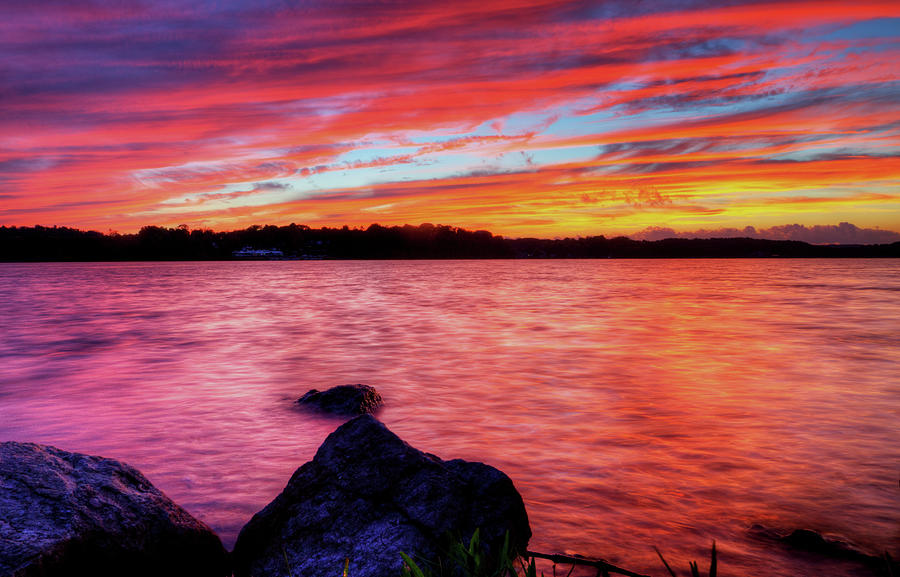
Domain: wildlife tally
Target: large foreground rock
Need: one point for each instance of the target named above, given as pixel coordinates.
(64, 514)
(367, 496)
(349, 400)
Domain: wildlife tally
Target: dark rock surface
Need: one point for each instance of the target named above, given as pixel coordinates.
(809, 540)
(812, 542)
(343, 400)
(367, 496)
(67, 514)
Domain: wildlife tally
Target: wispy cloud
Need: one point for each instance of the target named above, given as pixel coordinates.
(472, 113)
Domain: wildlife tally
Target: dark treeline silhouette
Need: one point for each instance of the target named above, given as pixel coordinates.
(426, 241)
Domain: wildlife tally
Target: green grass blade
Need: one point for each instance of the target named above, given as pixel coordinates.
(414, 569)
(473, 542)
(287, 562)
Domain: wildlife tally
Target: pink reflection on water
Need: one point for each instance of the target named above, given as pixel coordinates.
(632, 402)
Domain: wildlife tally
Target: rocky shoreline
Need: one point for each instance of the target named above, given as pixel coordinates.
(365, 497)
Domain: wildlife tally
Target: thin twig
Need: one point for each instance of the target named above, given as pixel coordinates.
(663, 559)
(598, 563)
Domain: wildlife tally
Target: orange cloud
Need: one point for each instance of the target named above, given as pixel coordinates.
(433, 112)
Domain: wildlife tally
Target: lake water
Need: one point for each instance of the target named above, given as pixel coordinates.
(634, 403)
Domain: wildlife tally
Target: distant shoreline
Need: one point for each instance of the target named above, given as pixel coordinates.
(425, 242)
(446, 259)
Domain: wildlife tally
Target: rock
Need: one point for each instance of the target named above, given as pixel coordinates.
(343, 399)
(366, 496)
(814, 542)
(67, 514)
(809, 541)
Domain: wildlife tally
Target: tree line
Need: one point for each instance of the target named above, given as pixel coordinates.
(426, 241)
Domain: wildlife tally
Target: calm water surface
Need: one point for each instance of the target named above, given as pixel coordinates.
(634, 403)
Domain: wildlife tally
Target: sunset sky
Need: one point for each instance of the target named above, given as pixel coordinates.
(526, 118)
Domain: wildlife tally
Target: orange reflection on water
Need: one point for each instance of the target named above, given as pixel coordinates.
(634, 403)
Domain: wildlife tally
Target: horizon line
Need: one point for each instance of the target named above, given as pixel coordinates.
(785, 232)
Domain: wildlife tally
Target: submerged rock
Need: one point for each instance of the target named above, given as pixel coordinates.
(67, 514)
(809, 540)
(813, 542)
(366, 496)
(343, 399)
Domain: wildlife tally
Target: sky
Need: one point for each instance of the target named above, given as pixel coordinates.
(525, 118)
